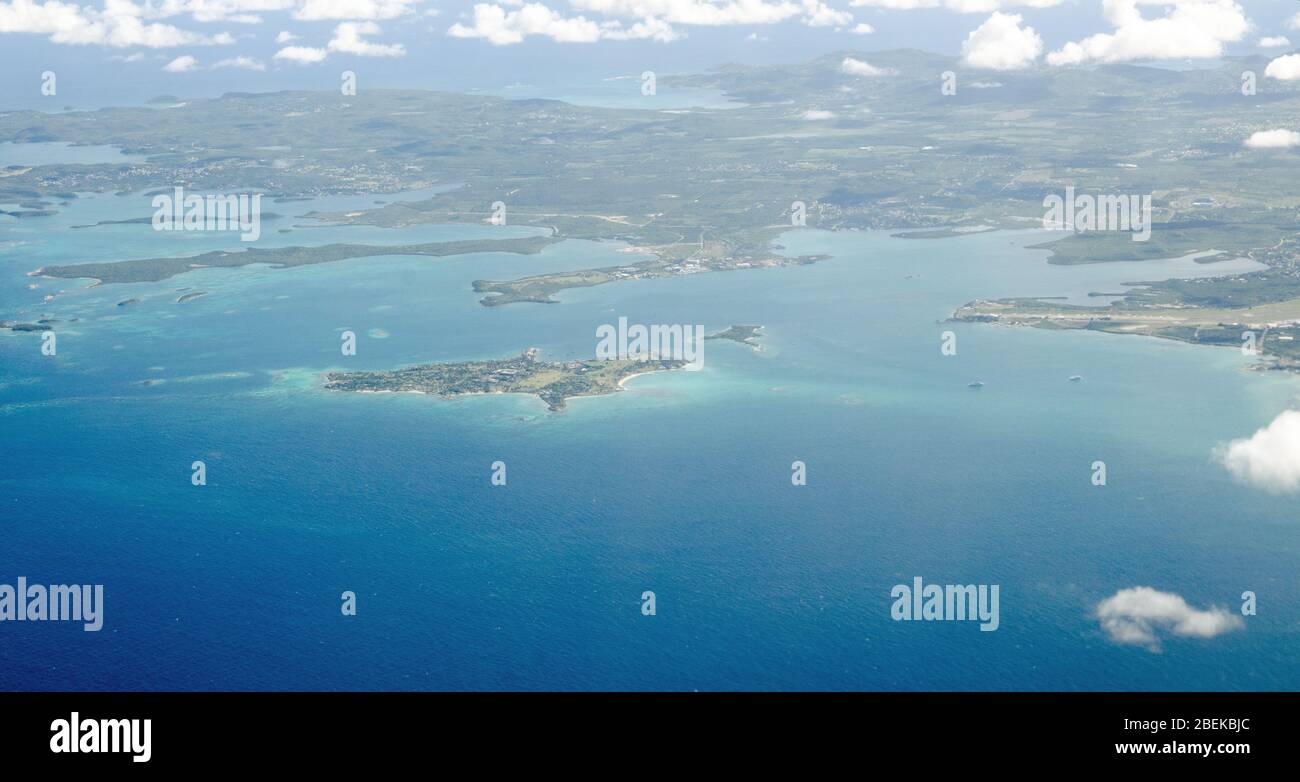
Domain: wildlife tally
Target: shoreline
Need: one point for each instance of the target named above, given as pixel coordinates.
(623, 382)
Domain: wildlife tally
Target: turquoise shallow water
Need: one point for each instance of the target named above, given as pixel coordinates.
(681, 485)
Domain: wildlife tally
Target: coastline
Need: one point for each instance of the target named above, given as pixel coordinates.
(623, 381)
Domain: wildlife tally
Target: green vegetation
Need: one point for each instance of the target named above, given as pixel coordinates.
(893, 153)
(554, 383)
(745, 335)
(704, 190)
(539, 288)
(153, 269)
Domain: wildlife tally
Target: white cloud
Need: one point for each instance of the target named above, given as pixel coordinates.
(348, 39)
(1270, 458)
(1188, 29)
(119, 24)
(123, 23)
(1273, 139)
(960, 6)
(502, 27)
(702, 13)
(1138, 616)
(718, 13)
(649, 28)
(238, 11)
(1001, 44)
(301, 54)
(1294, 22)
(818, 14)
(1274, 41)
(241, 62)
(1286, 68)
(859, 68)
(181, 64)
(317, 10)
(816, 115)
(862, 28)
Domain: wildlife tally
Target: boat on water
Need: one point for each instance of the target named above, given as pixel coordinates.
(975, 384)
(1075, 378)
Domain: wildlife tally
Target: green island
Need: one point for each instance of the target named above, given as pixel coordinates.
(154, 269)
(553, 382)
(745, 335)
(21, 213)
(15, 326)
(263, 216)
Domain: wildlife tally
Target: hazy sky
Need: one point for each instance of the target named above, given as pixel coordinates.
(126, 51)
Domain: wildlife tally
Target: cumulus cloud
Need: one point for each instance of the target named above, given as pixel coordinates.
(241, 62)
(815, 115)
(238, 11)
(704, 13)
(818, 14)
(1274, 41)
(960, 6)
(1270, 458)
(650, 28)
(348, 39)
(1188, 28)
(1273, 139)
(118, 24)
(368, 10)
(1141, 614)
(181, 64)
(501, 27)
(1286, 68)
(859, 68)
(1001, 44)
(303, 55)
(719, 13)
(123, 23)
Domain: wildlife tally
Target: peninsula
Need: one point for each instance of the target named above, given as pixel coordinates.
(154, 269)
(1273, 328)
(539, 288)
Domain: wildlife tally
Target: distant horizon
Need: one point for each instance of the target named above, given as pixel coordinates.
(574, 82)
(406, 44)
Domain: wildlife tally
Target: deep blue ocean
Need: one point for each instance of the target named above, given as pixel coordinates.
(679, 485)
